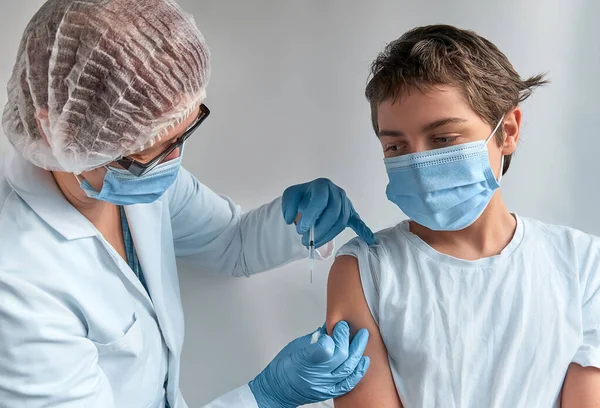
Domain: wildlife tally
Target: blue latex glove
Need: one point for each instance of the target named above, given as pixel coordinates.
(304, 373)
(322, 203)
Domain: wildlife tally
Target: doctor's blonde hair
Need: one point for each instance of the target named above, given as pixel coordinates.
(434, 55)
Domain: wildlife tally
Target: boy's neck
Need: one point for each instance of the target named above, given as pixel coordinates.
(486, 237)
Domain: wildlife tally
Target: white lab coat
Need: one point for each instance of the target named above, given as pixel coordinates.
(77, 328)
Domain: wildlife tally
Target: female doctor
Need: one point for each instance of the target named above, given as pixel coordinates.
(95, 209)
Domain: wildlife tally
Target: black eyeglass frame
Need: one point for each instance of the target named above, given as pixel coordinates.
(138, 169)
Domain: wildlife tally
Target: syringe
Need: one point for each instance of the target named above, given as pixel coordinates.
(311, 251)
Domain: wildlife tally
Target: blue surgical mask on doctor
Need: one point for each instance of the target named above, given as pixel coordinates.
(143, 183)
(444, 189)
(120, 187)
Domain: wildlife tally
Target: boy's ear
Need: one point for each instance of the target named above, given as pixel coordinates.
(511, 128)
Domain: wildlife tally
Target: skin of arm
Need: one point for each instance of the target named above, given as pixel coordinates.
(346, 301)
(581, 388)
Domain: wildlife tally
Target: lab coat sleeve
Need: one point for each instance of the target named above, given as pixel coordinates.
(45, 358)
(211, 232)
(239, 398)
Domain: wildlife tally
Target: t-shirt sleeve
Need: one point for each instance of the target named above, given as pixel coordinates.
(588, 354)
(369, 271)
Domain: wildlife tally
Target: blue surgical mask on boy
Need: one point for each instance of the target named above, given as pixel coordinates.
(444, 189)
(120, 187)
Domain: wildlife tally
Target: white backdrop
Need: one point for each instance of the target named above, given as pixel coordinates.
(287, 106)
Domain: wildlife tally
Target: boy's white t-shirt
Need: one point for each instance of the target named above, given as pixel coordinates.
(497, 332)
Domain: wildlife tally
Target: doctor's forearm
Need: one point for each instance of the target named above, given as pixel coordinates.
(233, 243)
(267, 241)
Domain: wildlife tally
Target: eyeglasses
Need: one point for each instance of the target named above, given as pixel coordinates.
(138, 169)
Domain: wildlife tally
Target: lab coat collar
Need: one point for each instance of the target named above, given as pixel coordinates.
(145, 222)
(38, 189)
(146, 231)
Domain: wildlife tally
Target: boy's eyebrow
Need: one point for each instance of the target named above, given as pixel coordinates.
(390, 133)
(427, 128)
(442, 122)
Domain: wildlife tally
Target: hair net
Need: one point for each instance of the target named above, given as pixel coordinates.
(103, 79)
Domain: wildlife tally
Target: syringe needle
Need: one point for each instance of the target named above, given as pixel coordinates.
(311, 251)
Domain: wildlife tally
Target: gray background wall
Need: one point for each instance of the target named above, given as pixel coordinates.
(287, 101)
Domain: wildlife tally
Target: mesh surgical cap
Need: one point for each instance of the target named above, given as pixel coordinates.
(103, 79)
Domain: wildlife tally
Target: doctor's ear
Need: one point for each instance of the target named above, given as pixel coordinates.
(511, 131)
(41, 117)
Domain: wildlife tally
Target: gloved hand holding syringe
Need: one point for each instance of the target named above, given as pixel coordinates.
(321, 210)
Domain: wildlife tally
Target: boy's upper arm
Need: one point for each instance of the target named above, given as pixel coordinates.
(581, 388)
(346, 301)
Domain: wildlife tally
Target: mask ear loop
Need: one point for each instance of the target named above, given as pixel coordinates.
(489, 138)
(495, 130)
(81, 181)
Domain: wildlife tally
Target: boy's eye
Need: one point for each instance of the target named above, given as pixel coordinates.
(445, 139)
(394, 148)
